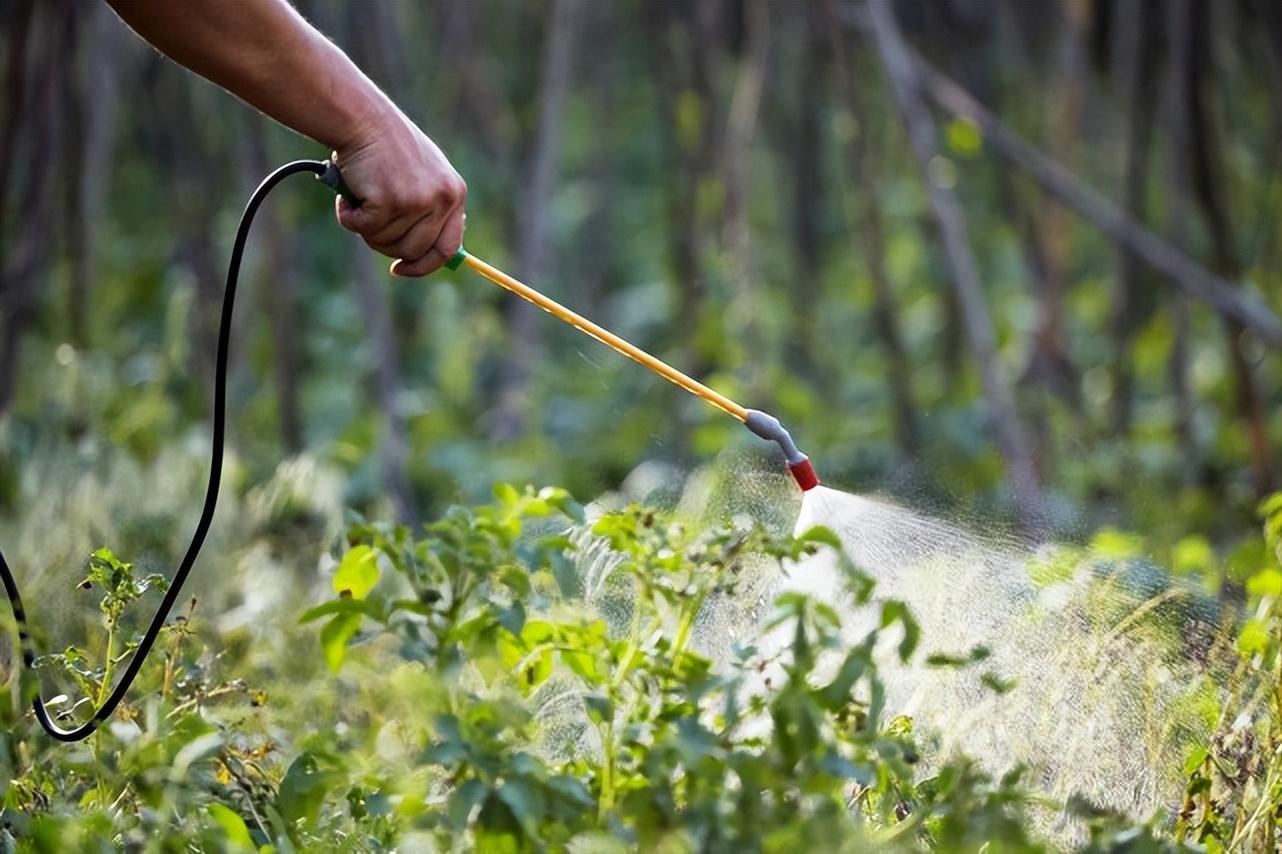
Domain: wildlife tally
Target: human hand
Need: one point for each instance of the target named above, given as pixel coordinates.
(411, 198)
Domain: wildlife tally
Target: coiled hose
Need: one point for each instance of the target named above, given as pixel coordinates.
(321, 170)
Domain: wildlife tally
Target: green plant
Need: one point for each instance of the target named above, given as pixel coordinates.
(556, 722)
(518, 678)
(1234, 793)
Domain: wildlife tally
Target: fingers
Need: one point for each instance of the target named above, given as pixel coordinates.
(415, 242)
(429, 263)
(451, 238)
(412, 200)
(443, 248)
(377, 226)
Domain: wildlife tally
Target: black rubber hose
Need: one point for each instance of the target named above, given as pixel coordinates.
(319, 169)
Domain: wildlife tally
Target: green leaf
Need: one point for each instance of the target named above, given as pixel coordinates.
(895, 611)
(303, 788)
(964, 137)
(334, 636)
(512, 618)
(565, 571)
(525, 803)
(464, 800)
(836, 694)
(583, 664)
(600, 709)
(563, 501)
(1195, 759)
(497, 830)
(536, 632)
(997, 684)
(596, 842)
(1254, 637)
(537, 669)
(944, 659)
(511, 650)
(821, 535)
(506, 494)
(1112, 543)
(235, 833)
(338, 606)
(1266, 582)
(1192, 554)
(199, 748)
(358, 573)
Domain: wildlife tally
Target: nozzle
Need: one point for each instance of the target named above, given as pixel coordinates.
(804, 473)
(768, 427)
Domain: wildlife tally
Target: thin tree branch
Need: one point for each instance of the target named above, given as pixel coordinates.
(923, 138)
(1219, 293)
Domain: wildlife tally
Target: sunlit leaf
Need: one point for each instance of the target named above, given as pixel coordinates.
(235, 832)
(1254, 638)
(334, 637)
(358, 573)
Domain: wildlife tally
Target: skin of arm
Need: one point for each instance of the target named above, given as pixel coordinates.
(264, 52)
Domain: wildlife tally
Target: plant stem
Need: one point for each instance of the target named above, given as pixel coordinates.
(607, 771)
(108, 669)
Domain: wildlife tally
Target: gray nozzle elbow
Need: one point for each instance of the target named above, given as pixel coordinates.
(768, 427)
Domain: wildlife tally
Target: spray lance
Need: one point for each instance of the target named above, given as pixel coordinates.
(762, 424)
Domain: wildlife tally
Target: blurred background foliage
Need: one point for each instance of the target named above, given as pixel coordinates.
(729, 183)
(963, 248)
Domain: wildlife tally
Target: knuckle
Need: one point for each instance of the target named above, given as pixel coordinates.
(408, 200)
(459, 188)
(450, 243)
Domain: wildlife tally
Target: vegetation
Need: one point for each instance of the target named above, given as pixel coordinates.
(482, 703)
(1015, 264)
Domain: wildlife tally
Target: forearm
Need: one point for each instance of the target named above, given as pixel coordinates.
(411, 198)
(264, 52)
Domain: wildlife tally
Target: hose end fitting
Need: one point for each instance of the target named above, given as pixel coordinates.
(768, 427)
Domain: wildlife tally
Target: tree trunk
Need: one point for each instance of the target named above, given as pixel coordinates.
(194, 193)
(1209, 189)
(17, 26)
(683, 82)
(393, 446)
(1177, 51)
(1138, 80)
(868, 229)
(1011, 439)
(595, 270)
(534, 237)
(90, 158)
(1045, 229)
(807, 194)
(736, 148)
(376, 37)
(279, 298)
(42, 114)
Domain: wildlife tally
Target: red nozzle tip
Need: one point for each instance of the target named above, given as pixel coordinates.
(804, 472)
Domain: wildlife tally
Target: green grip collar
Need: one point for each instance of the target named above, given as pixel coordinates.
(457, 261)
